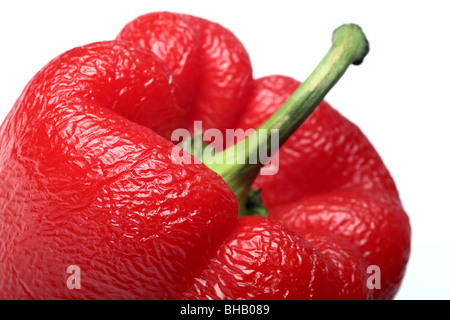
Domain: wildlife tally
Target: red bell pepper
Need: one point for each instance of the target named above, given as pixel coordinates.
(89, 178)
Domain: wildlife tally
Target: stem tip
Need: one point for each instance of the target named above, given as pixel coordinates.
(356, 32)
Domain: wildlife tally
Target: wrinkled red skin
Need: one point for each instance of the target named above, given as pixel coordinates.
(331, 179)
(254, 256)
(210, 63)
(88, 178)
(83, 185)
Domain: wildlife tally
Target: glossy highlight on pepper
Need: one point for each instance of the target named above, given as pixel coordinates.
(88, 178)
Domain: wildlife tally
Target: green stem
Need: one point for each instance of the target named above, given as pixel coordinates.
(235, 164)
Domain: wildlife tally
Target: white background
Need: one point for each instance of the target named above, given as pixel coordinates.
(398, 96)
